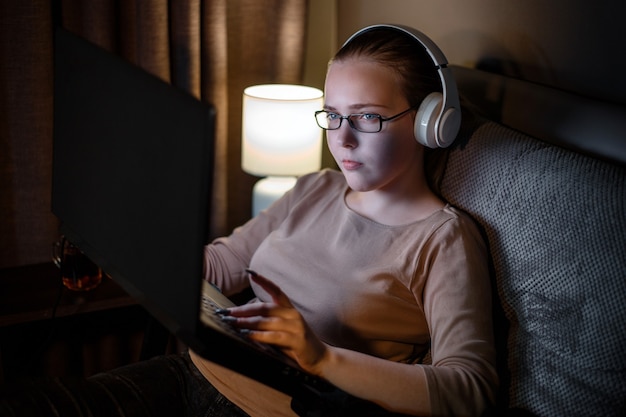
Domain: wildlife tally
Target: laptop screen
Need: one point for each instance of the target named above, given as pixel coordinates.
(132, 175)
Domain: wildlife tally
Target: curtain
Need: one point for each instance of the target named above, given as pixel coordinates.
(212, 49)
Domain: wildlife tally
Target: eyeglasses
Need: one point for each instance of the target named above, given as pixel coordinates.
(362, 122)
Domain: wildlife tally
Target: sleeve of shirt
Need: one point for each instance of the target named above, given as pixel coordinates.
(226, 258)
(457, 301)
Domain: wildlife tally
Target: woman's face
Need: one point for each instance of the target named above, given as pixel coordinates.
(371, 161)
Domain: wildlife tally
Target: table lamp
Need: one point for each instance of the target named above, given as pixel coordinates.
(280, 139)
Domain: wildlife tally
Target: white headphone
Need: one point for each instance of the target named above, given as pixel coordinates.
(439, 116)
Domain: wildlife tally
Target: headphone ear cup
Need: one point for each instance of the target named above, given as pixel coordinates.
(449, 126)
(426, 120)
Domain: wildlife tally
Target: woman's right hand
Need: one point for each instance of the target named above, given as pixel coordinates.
(280, 324)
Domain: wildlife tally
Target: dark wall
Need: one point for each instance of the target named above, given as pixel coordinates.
(574, 45)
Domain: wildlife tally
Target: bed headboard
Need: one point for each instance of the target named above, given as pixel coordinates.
(589, 126)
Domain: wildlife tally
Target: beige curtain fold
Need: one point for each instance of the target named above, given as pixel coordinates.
(26, 225)
(212, 49)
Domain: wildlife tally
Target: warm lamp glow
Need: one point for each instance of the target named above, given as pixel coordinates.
(279, 137)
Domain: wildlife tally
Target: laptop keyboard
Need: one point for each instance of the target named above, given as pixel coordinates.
(209, 310)
(211, 318)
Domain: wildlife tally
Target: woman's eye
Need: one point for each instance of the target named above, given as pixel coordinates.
(369, 116)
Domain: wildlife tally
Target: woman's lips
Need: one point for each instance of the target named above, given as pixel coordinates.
(350, 165)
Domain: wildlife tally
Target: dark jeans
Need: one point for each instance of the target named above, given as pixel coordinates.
(164, 386)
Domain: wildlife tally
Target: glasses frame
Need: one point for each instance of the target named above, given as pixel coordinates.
(348, 117)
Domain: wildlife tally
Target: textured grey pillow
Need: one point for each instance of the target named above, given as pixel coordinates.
(555, 221)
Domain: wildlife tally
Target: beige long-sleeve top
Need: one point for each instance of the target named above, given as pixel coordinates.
(393, 292)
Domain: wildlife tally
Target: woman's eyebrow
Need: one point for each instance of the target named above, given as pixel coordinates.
(357, 107)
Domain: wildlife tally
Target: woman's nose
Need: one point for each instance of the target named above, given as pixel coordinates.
(345, 136)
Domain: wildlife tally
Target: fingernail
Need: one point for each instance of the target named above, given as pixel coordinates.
(222, 311)
(251, 272)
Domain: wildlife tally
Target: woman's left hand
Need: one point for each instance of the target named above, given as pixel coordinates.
(278, 323)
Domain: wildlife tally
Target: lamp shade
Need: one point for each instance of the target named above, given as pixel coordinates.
(279, 133)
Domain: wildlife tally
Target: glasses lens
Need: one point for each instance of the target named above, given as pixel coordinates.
(325, 121)
(367, 122)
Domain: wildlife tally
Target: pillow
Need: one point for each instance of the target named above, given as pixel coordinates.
(555, 222)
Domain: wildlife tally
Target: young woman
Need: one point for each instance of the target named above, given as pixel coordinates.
(364, 273)
(365, 277)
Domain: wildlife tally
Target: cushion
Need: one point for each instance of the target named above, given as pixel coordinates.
(555, 221)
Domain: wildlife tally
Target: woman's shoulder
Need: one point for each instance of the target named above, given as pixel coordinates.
(453, 223)
(310, 191)
(324, 180)
(325, 175)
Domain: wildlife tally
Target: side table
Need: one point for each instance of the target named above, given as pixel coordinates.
(30, 296)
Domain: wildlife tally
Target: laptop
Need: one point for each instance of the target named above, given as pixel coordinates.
(132, 175)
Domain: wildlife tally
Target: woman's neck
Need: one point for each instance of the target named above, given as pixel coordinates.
(395, 207)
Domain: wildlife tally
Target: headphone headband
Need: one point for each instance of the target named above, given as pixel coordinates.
(439, 118)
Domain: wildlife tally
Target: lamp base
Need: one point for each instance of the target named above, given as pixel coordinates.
(267, 190)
